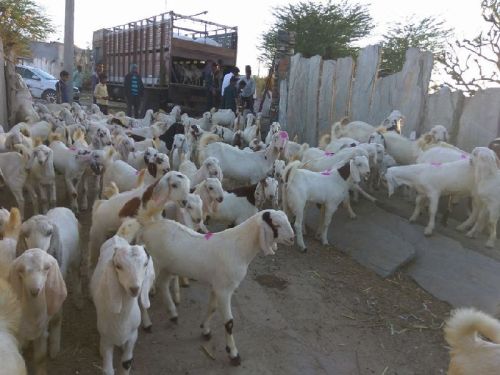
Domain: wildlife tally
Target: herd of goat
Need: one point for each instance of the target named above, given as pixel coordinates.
(161, 180)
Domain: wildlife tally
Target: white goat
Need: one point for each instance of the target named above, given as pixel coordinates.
(107, 214)
(10, 320)
(73, 164)
(125, 176)
(431, 181)
(42, 177)
(240, 165)
(328, 188)
(14, 173)
(38, 283)
(273, 129)
(209, 168)
(57, 233)
(141, 159)
(118, 280)
(8, 243)
(224, 117)
(487, 181)
(220, 260)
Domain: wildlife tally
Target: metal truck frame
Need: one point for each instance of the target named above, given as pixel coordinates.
(170, 50)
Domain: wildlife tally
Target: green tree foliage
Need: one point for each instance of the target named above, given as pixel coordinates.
(428, 33)
(327, 29)
(22, 21)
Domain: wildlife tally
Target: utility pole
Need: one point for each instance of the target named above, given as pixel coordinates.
(69, 53)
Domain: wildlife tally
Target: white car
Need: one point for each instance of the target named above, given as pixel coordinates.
(42, 84)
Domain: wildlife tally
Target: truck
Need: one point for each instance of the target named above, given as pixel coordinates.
(171, 50)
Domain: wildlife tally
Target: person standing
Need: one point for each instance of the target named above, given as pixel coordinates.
(78, 77)
(101, 94)
(227, 79)
(61, 93)
(210, 85)
(134, 89)
(248, 92)
(99, 69)
(230, 96)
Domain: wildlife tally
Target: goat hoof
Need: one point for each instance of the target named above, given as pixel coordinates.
(148, 329)
(304, 250)
(490, 244)
(207, 336)
(174, 320)
(236, 361)
(427, 232)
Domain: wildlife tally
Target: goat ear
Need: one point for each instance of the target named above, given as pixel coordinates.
(113, 287)
(354, 172)
(55, 246)
(15, 279)
(55, 289)
(148, 282)
(30, 162)
(21, 243)
(152, 169)
(266, 238)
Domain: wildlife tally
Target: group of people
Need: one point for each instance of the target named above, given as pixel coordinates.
(235, 91)
(229, 91)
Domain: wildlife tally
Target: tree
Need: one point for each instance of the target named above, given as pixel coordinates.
(21, 21)
(481, 67)
(327, 29)
(428, 33)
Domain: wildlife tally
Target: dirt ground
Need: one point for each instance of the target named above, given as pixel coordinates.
(313, 313)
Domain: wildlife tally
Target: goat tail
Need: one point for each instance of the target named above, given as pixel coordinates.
(10, 309)
(303, 148)
(25, 131)
(110, 190)
(290, 170)
(324, 141)
(54, 137)
(13, 226)
(464, 324)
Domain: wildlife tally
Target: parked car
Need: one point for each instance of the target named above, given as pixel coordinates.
(42, 84)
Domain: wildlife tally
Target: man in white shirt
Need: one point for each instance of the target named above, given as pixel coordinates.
(227, 78)
(249, 90)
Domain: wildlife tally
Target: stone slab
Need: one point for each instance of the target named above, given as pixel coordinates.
(376, 239)
(480, 120)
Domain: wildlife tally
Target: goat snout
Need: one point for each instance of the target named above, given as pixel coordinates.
(184, 203)
(220, 199)
(134, 291)
(35, 291)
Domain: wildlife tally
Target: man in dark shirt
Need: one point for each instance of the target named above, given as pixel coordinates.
(61, 92)
(230, 95)
(134, 88)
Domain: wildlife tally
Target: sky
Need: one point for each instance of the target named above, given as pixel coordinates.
(253, 17)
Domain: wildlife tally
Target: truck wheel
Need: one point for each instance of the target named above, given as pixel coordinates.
(49, 95)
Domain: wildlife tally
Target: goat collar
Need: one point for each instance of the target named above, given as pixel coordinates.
(345, 170)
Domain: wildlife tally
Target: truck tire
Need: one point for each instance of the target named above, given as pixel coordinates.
(49, 95)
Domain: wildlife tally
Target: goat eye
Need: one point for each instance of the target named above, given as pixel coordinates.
(118, 266)
(174, 186)
(46, 267)
(210, 188)
(49, 232)
(189, 207)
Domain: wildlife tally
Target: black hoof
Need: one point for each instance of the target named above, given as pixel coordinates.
(207, 336)
(236, 361)
(304, 250)
(174, 320)
(148, 329)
